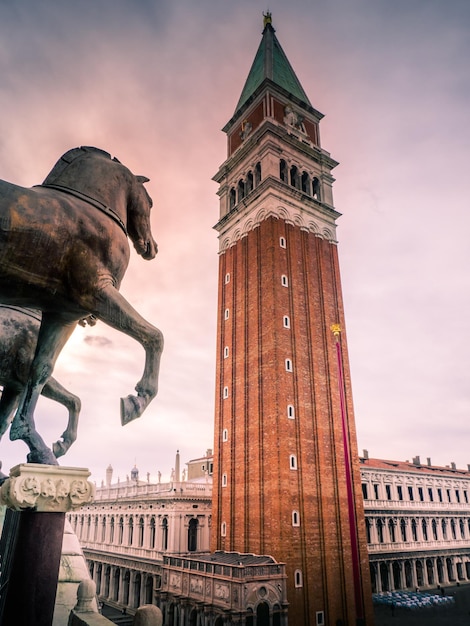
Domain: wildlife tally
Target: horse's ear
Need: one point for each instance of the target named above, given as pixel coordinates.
(142, 179)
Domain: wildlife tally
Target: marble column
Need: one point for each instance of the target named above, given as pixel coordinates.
(42, 495)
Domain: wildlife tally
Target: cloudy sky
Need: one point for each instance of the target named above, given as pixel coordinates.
(153, 82)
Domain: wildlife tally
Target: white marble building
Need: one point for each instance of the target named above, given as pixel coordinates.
(418, 523)
(133, 524)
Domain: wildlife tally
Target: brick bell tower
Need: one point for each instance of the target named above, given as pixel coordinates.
(286, 480)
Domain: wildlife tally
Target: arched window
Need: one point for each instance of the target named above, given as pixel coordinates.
(257, 174)
(290, 411)
(227, 278)
(305, 183)
(152, 533)
(121, 531)
(298, 582)
(224, 480)
(294, 177)
(295, 518)
(226, 352)
(380, 530)
(233, 198)
(226, 314)
(241, 190)
(462, 528)
(103, 530)
(283, 170)
(424, 527)
(131, 531)
(316, 188)
(444, 528)
(403, 530)
(111, 531)
(223, 529)
(225, 435)
(165, 533)
(368, 533)
(225, 393)
(192, 535)
(414, 530)
(434, 529)
(452, 529)
(141, 532)
(282, 242)
(249, 182)
(284, 281)
(95, 533)
(391, 530)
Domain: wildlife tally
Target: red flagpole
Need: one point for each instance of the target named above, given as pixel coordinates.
(336, 329)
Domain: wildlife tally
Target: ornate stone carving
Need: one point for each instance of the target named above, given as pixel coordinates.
(47, 488)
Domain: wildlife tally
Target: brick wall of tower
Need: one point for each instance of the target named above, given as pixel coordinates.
(262, 490)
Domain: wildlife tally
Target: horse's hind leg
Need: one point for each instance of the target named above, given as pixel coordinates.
(115, 311)
(53, 334)
(8, 403)
(54, 391)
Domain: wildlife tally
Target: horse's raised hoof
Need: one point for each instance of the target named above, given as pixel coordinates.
(44, 457)
(132, 407)
(59, 448)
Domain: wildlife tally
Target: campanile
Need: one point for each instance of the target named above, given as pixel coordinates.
(286, 479)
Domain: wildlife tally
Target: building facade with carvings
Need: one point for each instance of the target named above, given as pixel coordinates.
(149, 543)
(417, 520)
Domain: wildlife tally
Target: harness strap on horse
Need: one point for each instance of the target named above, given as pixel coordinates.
(101, 206)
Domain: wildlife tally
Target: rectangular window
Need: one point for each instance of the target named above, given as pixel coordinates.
(320, 617)
(465, 495)
(449, 499)
(388, 490)
(457, 495)
(430, 494)
(376, 492)
(410, 493)
(421, 494)
(439, 494)
(364, 491)
(400, 492)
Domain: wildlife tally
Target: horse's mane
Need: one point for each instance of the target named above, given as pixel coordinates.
(70, 156)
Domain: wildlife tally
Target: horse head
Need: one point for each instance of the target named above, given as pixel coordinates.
(94, 172)
(138, 220)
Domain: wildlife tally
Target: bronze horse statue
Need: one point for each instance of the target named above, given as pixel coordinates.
(19, 328)
(64, 251)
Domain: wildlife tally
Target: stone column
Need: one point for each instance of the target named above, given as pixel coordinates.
(42, 494)
(379, 578)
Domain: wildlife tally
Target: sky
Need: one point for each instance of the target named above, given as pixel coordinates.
(153, 82)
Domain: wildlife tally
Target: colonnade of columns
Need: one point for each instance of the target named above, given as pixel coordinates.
(126, 587)
(411, 573)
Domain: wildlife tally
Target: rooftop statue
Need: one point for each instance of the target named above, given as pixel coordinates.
(64, 251)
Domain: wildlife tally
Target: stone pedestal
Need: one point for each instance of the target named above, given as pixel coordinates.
(41, 494)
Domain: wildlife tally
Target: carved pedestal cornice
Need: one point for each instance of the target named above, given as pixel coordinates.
(47, 488)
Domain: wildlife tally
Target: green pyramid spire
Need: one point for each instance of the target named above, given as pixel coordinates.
(271, 63)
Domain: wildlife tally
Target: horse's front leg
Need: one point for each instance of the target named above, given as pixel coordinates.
(115, 311)
(53, 334)
(54, 391)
